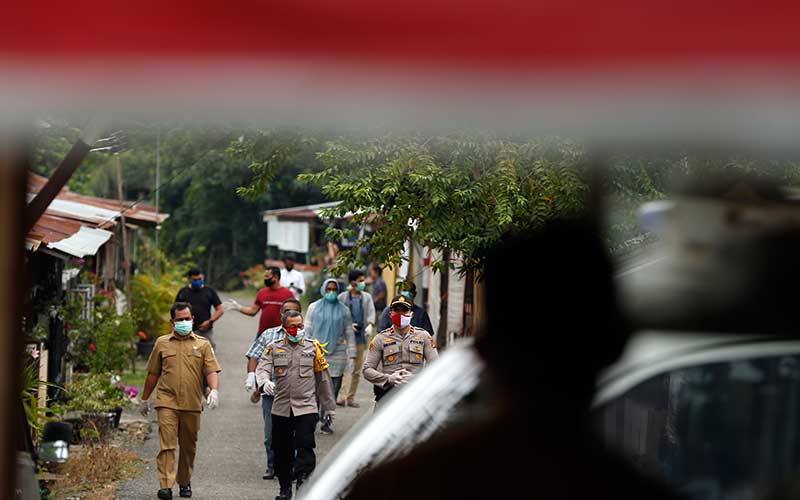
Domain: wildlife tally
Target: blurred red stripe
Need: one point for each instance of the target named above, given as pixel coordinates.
(489, 32)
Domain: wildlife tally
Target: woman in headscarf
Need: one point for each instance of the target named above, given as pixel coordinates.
(329, 321)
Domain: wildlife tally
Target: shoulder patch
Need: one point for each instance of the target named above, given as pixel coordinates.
(387, 331)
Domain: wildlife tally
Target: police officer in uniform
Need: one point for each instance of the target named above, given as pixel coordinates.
(395, 354)
(294, 371)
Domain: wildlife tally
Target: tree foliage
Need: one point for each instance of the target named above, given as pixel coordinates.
(459, 194)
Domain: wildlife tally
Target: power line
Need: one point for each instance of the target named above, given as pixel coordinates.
(142, 198)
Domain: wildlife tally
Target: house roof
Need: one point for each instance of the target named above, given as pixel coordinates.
(140, 214)
(76, 225)
(310, 212)
(67, 236)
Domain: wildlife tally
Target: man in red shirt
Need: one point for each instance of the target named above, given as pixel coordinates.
(268, 301)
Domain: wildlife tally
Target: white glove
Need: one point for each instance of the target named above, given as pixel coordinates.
(269, 388)
(232, 304)
(213, 399)
(368, 331)
(351, 365)
(398, 378)
(144, 407)
(250, 382)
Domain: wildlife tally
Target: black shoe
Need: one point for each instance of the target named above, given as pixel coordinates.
(285, 494)
(165, 494)
(186, 491)
(269, 474)
(326, 428)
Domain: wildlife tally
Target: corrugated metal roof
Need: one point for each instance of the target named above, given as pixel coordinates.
(301, 212)
(80, 211)
(49, 228)
(140, 213)
(86, 241)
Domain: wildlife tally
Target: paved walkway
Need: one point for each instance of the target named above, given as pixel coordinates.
(230, 454)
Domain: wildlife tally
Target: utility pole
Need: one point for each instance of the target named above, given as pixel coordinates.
(126, 258)
(158, 182)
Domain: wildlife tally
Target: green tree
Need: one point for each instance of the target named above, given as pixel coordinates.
(457, 194)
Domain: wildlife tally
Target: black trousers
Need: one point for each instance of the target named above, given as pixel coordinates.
(293, 441)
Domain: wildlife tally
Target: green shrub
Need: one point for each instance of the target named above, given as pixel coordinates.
(151, 304)
(95, 392)
(105, 344)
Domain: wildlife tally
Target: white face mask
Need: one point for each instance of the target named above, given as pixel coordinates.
(405, 321)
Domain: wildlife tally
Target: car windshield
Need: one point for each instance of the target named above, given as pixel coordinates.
(723, 430)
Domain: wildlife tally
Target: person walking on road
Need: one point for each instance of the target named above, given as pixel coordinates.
(362, 312)
(202, 298)
(291, 278)
(177, 366)
(419, 319)
(268, 301)
(378, 287)
(253, 356)
(329, 322)
(397, 353)
(294, 371)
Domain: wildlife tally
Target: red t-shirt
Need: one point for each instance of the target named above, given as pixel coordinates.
(269, 301)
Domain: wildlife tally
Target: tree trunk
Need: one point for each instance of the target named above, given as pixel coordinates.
(442, 333)
(13, 290)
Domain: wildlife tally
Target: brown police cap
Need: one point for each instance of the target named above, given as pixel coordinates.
(401, 300)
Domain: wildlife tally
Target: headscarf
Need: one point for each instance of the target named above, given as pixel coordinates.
(328, 319)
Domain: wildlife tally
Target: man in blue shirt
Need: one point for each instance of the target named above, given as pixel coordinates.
(362, 311)
(253, 355)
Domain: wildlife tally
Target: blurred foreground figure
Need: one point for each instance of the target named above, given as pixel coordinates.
(544, 346)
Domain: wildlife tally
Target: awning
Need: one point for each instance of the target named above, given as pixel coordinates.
(86, 241)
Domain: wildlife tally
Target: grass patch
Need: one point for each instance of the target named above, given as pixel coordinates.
(135, 379)
(94, 472)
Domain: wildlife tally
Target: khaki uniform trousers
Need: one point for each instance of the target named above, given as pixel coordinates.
(350, 380)
(176, 428)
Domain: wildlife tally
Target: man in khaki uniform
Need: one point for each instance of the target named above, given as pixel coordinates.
(395, 354)
(177, 366)
(295, 371)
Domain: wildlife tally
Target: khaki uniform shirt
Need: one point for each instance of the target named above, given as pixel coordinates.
(181, 364)
(300, 374)
(390, 351)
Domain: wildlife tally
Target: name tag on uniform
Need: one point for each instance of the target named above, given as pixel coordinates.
(194, 351)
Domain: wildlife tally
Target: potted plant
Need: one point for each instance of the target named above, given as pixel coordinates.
(98, 398)
(145, 345)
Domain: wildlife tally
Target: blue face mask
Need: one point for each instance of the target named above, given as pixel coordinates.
(408, 295)
(183, 327)
(331, 296)
(361, 286)
(198, 283)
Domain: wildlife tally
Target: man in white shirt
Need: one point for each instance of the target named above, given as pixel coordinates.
(291, 278)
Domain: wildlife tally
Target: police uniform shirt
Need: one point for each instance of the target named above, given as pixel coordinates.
(181, 364)
(391, 351)
(297, 369)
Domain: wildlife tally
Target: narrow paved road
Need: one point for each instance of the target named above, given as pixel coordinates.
(230, 453)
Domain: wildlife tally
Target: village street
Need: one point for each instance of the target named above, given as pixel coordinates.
(230, 452)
